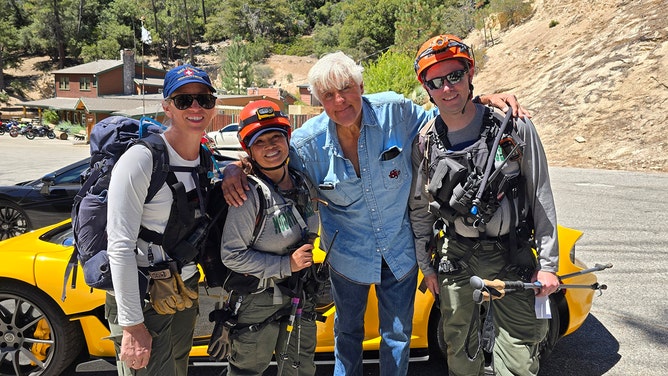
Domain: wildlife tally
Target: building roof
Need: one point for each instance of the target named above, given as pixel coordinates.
(149, 81)
(123, 105)
(94, 67)
(52, 103)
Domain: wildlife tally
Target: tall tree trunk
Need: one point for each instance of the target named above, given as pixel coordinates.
(157, 33)
(2, 71)
(80, 16)
(190, 41)
(58, 34)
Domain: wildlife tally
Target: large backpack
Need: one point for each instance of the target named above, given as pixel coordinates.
(109, 139)
(215, 272)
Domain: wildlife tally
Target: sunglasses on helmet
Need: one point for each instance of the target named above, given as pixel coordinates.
(452, 78)
(184, 101)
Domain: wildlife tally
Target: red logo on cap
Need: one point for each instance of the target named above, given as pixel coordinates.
(189, 72)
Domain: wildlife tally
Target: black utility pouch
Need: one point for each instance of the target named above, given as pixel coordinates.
(190, 247)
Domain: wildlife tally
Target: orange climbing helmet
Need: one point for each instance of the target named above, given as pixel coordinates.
(439, 48)
(259, 117)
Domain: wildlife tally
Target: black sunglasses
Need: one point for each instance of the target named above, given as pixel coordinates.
(452, 77)
(183, 101)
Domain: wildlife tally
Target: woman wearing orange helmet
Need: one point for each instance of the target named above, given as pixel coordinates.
(267, 242)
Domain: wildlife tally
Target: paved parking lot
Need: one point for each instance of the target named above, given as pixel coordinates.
(24, 159)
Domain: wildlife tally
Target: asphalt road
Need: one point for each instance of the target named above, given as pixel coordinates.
(623, 216)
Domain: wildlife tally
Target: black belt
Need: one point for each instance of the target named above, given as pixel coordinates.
(475, 242)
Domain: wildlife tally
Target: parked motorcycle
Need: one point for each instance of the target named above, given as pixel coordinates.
(44, 131)
(27, 131)
(13, 128)
(3, 128)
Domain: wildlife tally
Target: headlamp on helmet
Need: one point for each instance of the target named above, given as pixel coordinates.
(259, 117)
(439, 48)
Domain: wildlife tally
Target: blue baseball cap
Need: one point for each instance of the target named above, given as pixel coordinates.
(183, 75)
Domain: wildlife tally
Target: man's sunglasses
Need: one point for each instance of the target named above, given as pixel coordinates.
(452, 78)
(184, 101)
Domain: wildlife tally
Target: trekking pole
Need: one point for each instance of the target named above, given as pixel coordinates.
(295, 314)
(296, 309)
(490, 162)
(595, 268)
(497, 289)
(329, 250)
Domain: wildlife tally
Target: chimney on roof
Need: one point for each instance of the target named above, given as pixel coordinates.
(128, 58)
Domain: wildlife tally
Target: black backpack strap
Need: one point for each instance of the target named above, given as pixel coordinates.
(264, 195)
(156, 144)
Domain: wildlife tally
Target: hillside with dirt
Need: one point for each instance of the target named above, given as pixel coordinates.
(596, 83)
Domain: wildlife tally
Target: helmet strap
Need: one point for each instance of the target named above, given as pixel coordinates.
(257, 165)
(468, 99)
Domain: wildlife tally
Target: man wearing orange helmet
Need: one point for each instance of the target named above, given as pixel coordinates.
(358, 154)
(266, 243)
(488, 191)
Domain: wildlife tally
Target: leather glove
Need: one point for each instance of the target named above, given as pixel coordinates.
(219, 344)
(187, 295)
(165, 298)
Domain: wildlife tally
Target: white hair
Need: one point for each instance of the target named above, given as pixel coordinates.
(335, 70)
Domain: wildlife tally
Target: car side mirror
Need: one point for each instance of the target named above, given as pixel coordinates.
(47, 181)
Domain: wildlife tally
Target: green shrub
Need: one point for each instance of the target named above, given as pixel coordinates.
(69, 127)
(511, 12)
(479, 54)
(553, 23)
(50, 117)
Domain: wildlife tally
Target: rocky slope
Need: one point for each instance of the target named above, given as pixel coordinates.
(596, 84)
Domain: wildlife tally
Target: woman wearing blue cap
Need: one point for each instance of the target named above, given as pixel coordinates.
(155, 337)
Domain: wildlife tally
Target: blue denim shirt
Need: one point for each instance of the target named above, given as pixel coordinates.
(370, 212)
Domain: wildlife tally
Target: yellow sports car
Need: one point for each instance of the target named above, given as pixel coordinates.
(40, 334)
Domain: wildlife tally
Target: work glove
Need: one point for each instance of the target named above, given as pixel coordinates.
(219, 344)
(167, 291)
(187, 295)
(165, 298)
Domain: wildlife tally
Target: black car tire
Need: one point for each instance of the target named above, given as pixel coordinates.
(13, 220)
(437, 348)
(34, 325)
(554, 331)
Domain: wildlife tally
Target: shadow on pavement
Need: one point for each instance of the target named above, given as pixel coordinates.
(592, 350)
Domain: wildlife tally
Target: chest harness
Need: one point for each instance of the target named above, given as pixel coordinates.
(467, 182)
(470, 182)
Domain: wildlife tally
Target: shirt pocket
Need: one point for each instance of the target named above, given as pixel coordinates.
(341, 193)
(394, 168)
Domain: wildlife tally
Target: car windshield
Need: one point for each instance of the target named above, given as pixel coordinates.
(231, 128)
(61, 235)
